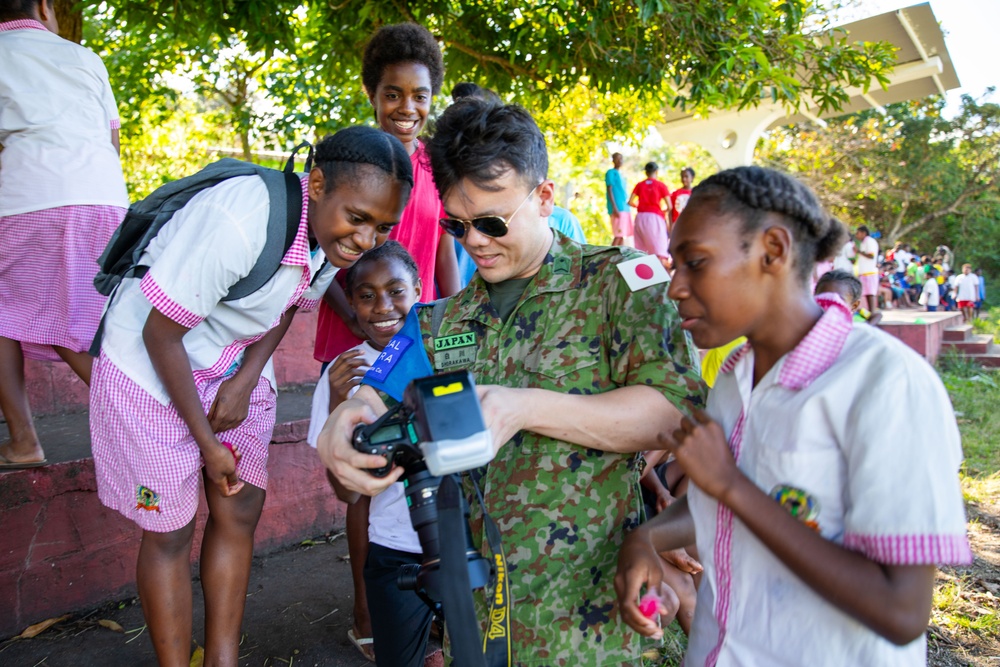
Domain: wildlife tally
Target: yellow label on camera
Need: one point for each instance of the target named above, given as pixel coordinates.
(445, 389)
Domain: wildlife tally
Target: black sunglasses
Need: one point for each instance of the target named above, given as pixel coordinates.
(490, 225)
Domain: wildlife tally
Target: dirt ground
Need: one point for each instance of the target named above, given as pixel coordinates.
(297, 615)
(975, 641)
(299, 610)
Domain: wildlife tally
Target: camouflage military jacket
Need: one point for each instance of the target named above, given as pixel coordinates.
(563, 509)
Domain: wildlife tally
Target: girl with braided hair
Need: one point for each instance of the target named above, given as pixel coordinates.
(183, 389)
(818, 535)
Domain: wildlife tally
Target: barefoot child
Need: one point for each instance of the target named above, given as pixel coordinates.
(183, 389)
(381, 287)
(61, 197)
(818, 534)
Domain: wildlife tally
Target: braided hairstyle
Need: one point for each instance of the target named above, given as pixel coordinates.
(481, 140)
(344, 157)
(751, 193)
(401, 43)
(389, 250)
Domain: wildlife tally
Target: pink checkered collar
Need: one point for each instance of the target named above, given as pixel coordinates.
(816, 352)
(298, 253)
(21, 24)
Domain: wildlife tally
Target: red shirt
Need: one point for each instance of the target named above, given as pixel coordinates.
(650, 193)
(679, 200)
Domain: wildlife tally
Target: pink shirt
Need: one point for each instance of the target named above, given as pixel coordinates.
(418, 230)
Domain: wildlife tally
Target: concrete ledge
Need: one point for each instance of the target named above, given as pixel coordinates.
(922, 331)
(63, 551)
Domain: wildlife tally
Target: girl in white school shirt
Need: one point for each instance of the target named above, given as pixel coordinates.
(62, 195)
(818, 535)
(183, 390)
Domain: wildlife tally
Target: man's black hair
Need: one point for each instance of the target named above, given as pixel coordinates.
(401, 43)
(651, 167)
(11, 10)
(344, 155)
(481, 140)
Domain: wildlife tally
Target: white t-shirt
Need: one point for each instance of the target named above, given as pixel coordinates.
(933, 292)
(389, 516)
(813, 430)
(321, 396)
(207, 247)
(903, 258)
(967, 287)
(844, 260)
(868, 265)
(56, 115)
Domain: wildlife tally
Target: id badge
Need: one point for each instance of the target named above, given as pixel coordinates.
(458, 350)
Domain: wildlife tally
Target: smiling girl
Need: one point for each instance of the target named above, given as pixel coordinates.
(818, 533)
(382, 287)
(183, 389)
(402, 69)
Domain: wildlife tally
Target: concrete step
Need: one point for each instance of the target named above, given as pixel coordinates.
(974, 344)
(958, 333)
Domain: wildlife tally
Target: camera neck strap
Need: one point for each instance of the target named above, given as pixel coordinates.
(456, 600)
(496, 642)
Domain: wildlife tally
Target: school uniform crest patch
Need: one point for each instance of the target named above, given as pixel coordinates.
(800, 504)
(146, 499)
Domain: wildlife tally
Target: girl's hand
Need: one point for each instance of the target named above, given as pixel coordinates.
(220, 468)
(344, 375)
(640, 566)
(701, 448)
(232, 403)
(663, 499)
(682, 560)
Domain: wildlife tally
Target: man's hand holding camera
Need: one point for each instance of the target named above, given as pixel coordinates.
(348, 465)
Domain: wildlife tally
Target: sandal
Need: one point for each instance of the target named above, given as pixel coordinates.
(363, 644)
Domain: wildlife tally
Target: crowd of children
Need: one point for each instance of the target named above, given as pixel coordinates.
(786, 529)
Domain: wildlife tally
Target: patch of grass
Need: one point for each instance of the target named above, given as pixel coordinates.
(670, 653)
(975, 393)
(959, 603)
(989, 322)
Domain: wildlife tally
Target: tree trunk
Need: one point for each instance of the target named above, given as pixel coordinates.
(69, 14)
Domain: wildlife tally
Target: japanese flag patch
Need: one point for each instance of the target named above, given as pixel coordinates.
(642, 272)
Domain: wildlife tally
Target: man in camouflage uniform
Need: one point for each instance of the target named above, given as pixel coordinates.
(576, 373)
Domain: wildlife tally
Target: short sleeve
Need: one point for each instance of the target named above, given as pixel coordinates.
(206, 248)
(647, 345)
(309, 300)
(903, 450)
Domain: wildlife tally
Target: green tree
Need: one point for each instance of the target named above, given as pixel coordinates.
(913, 174)
(693, 54)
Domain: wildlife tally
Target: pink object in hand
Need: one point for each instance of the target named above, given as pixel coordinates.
(229, 446)
(649, 604)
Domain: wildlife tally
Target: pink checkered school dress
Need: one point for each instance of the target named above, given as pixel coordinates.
(147, 463)
(47, 267)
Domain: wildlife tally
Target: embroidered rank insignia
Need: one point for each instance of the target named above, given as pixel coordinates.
(454, 351)
(643, 272)
(561, 265)
(799, 504)
(146, 499)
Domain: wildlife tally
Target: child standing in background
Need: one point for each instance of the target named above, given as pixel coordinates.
(401, 71)
(818, 535)
(62, 195)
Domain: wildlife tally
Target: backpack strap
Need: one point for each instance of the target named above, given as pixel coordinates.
(437, 314)
(284, 191)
